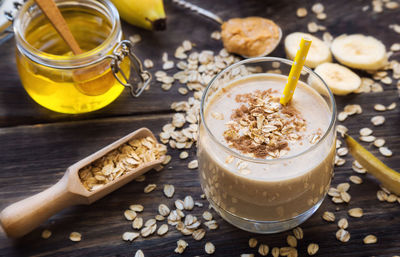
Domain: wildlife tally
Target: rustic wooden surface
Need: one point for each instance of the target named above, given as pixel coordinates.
(37, 146)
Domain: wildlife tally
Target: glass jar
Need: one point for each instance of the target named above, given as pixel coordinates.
(63, 82)
(275, 193)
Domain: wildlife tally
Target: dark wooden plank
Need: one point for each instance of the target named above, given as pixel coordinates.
(17, 108)
(35, 157)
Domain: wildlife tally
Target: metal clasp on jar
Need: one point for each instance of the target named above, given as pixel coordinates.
(142, 78)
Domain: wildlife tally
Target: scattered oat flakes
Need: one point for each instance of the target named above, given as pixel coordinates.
(139, 253)
(345, 197)
(298, 233)
(263, 250)
(321, 16)
(207, 215)
(159, 217)
(136, 38)
(342, 116)
(253, 242)
(328, 216)
(136, 207)
(317, 8)
(193, 164)
(183, 155)
(163, 210)
(198, 234)
(395, 47)
(288, 251)
(343, 223)
(312, 249)
(385, 151)
(327, 37)
(356, 166)
(356, 179)
(365, 131)
(137, 223)
(379, 142)
(216, 35)
(342, 130)
(312, 27)
(380, 107)
(336, 199)
(342, 151)
(391, 106)
(148, 63)
(181, 246)
(209, 248)
(301, 12)
(183, 90)
(212, 224)
(391, 198)
(291, 241)
(370, 239)
(168, 65)
(377, 120)
(130, 236)
(75, 236)
(275, 252)
(391, 5)
(356, 212)
(162, 230)
(343, 235)
(169, 190)
(188, 203)
(381, 195)
(367, 139)
(343, 187)
(46, 234)
(130, 215)
(149, 188)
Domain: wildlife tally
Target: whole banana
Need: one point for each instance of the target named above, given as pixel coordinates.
(148, 14)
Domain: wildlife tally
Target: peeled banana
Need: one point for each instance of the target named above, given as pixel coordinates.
(148, 14)
(359, 51)
(388, 177)
(340, 80)
(318, 53)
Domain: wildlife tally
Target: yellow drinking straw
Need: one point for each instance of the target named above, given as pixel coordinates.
(295, 71)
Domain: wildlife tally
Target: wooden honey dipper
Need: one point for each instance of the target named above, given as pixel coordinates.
(82, 76)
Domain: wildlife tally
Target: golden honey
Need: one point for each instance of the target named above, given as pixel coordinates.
(49, 71)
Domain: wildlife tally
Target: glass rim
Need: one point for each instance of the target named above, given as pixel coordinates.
(75, 61)
(259, 160)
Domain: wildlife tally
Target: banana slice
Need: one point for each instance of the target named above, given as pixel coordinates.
(318, 53)
(359, 51)
(340, 80)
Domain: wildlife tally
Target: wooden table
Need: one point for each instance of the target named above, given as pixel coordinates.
(37, 146)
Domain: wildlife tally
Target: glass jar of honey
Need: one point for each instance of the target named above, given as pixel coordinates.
(63, 82)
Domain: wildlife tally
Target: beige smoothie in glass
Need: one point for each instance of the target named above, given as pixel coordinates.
(263, 166)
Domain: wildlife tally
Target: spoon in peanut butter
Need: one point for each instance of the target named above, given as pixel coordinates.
(20, 218)
(248, 37)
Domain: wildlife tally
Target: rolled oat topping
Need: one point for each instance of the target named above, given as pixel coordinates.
(263, 128)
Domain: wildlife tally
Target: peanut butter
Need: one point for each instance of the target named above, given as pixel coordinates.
(250, 37)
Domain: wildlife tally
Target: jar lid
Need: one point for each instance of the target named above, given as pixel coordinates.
(8, 10)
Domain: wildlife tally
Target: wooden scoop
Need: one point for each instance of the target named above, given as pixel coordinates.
(22, 217)
(84, 76)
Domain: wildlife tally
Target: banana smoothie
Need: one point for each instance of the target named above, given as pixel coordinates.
(261, 161)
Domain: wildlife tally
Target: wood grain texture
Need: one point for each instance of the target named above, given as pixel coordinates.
(34, 157)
